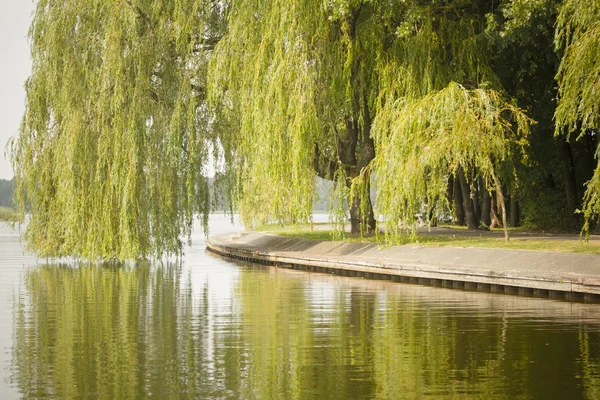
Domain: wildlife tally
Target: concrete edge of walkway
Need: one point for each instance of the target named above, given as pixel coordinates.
(315, 255)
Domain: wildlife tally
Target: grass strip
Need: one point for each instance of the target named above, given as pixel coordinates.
(549, 244)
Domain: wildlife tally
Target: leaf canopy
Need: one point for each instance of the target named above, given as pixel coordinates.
(578, 110)
(414, 76)
(118, 133)
(114, 138)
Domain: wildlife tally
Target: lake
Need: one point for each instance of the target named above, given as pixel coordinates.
(207, 327)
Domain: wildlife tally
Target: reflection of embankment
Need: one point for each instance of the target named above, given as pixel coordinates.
(419, 342)
(513, 306)
(538, 308)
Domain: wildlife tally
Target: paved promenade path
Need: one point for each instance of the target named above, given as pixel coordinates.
(512, 271)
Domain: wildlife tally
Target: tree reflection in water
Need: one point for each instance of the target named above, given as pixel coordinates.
(142, 331)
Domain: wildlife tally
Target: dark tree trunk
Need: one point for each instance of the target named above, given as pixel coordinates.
(476, 207)
(588, 164)
(502, 206)
(568, 170)
(470, 216)
(458, 202)
(514, 212)
(354, 148)
(450, 189)
(486, 205)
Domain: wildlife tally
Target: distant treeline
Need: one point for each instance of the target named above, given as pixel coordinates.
(6, 189)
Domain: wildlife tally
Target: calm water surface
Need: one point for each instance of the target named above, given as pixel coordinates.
(210, 328)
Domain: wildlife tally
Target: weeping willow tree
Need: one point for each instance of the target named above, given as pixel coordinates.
(263, 76)
(111, 158)
(428, 140)
(346, 89)
(116, 133)
(578, 110)
(441, 114)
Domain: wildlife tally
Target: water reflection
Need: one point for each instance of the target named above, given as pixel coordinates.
(167, 331)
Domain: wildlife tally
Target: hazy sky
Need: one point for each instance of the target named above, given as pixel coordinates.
(15, 66)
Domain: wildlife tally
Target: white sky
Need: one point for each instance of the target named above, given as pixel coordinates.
(15, 66)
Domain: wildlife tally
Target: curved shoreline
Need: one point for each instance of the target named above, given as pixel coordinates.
(570, 276)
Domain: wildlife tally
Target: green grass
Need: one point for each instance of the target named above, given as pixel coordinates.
(551, 245)
(8, 214)
(515, 243)
(287, 228)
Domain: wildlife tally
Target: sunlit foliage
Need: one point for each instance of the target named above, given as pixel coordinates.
(423, 141)
(410, 80)
(128, 103)
(264, 77)
(578, 110)
(114, 138)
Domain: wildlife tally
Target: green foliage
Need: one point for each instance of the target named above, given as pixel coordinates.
(300, 78)
(543, 203)
(578, 33)
(114, 136)
(522, 32)
(578, 110)
(263, 75)
(8, 214)
(428, 139)
(128, 104)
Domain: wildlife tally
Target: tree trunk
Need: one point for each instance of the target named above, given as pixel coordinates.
(476, 206)
(502, 204)
(486, 206)
(495, 219)
(450, 189)
(458, 203)
(568, 170)
(362, 221)
(470, 216)
(514, 212)
(431, 215)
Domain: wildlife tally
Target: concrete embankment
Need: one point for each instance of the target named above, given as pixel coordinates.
(511, 271)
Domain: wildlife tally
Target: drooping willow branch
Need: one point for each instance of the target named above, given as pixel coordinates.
(113, 142)
(578, 77)
(422, 142)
